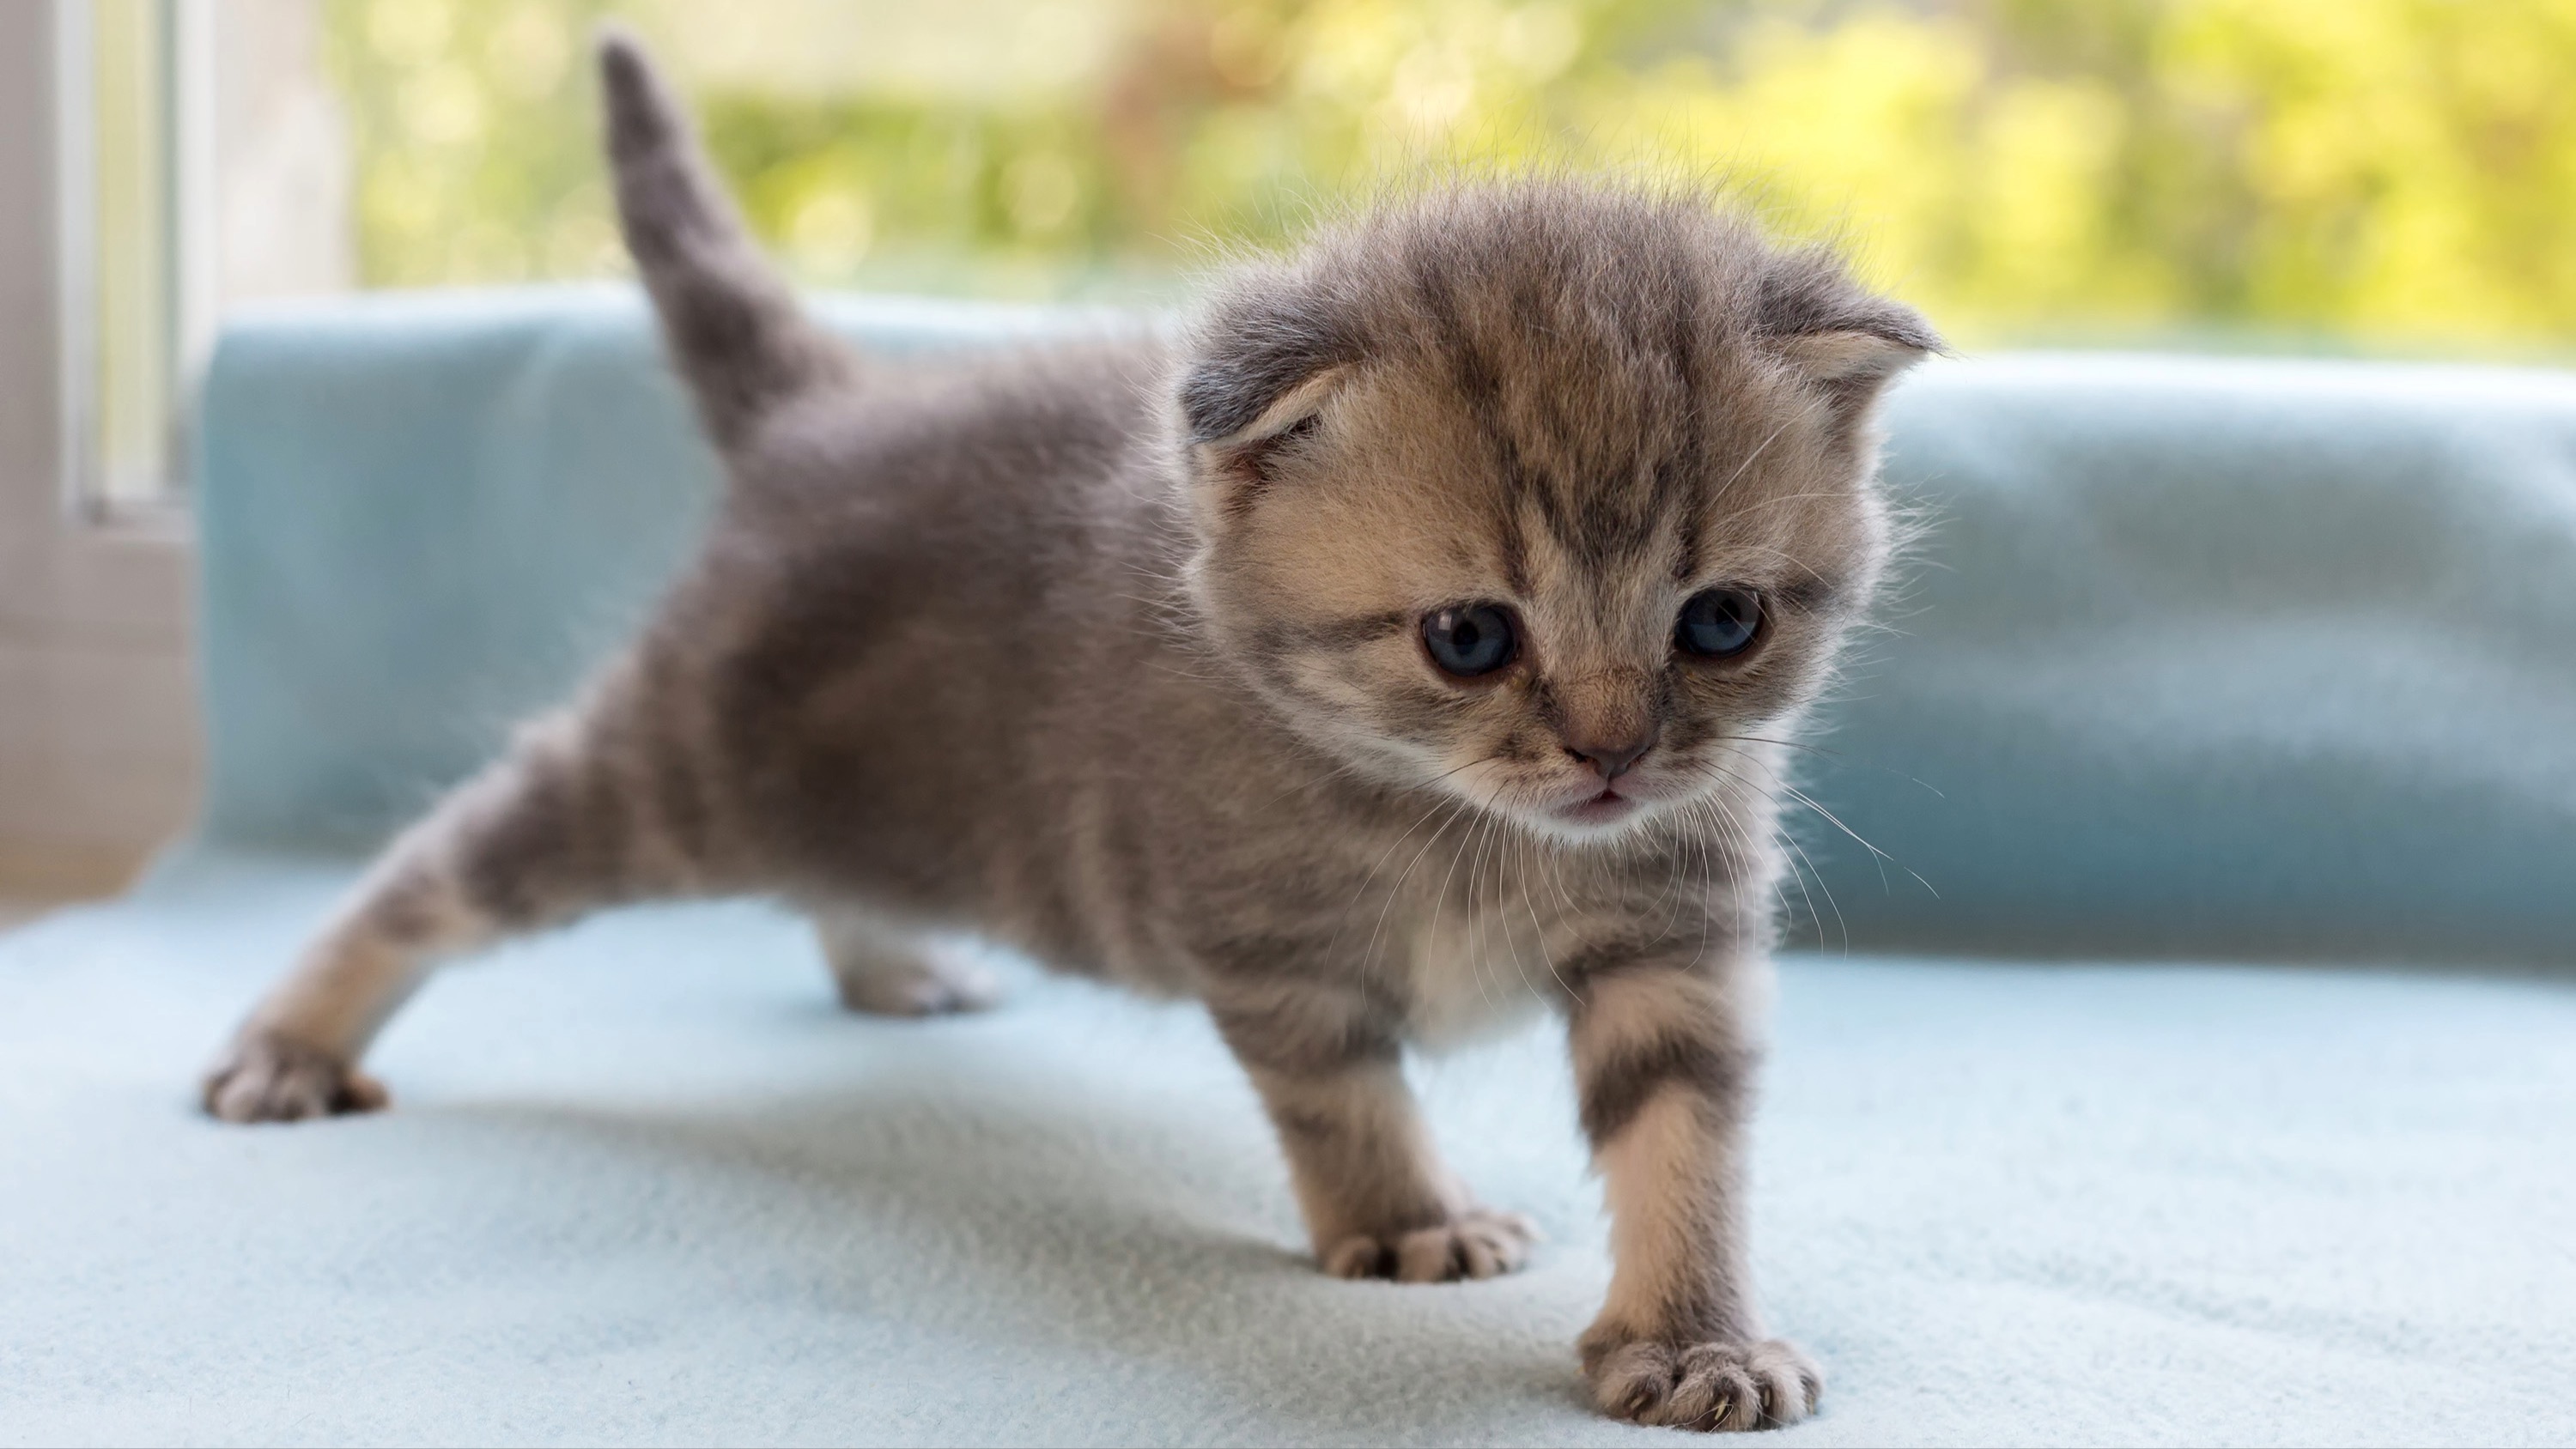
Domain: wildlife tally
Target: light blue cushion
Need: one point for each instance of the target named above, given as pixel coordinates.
(2202, 657)
(2240, 657)
(424, 516)
(2196, 656)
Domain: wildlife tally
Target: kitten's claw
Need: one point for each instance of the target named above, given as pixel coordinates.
(1478, 1243)
(264, 1077)
(1719, 1385)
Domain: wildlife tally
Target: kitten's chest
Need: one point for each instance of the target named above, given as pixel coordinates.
(1476, 969)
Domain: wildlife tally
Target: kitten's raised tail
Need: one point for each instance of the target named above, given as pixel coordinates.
(734, 329)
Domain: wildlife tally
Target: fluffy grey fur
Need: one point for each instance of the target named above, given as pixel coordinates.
(1117, 653)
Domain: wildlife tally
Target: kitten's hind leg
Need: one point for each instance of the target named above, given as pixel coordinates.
(574, 818)
(884, 971)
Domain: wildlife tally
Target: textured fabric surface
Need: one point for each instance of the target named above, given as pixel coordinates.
(645, 1183)
(2202, 659)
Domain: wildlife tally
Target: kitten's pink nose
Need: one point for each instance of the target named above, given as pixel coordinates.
(1612, 758)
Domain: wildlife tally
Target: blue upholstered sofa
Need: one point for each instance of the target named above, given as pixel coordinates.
(2197, 1064)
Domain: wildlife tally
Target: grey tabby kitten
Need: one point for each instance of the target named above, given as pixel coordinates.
(1406, 646)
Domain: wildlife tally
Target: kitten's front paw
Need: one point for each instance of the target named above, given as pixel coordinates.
(264, 1077)
(1478, 1243)
(1724, 1385)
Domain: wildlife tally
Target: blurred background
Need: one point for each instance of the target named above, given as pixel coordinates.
(2365, 176)
(2309, 175)
(2390, 174)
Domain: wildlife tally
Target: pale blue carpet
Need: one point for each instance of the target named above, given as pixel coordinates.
(645, 1183)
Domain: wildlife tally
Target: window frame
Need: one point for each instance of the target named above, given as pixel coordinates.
(100, 756)
(183, 247)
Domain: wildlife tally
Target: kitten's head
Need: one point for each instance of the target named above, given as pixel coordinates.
(1541, 495)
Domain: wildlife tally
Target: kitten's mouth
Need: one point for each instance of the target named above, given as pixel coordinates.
(1600, 809)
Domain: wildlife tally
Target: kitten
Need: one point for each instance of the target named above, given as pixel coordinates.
(1406, 645)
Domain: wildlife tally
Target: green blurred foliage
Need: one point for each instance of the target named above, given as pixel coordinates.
(2400, 172)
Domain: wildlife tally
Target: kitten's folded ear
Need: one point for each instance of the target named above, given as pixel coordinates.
(1847, 341)
(1261, 343)
(1264, 359)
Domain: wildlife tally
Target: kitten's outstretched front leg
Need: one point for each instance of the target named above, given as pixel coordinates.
(571, 820)
(1378, 1202)
(297, 1055)
(1664, 1067)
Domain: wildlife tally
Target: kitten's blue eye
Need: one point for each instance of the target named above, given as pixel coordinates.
(1470, 639)
(1717, 623)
